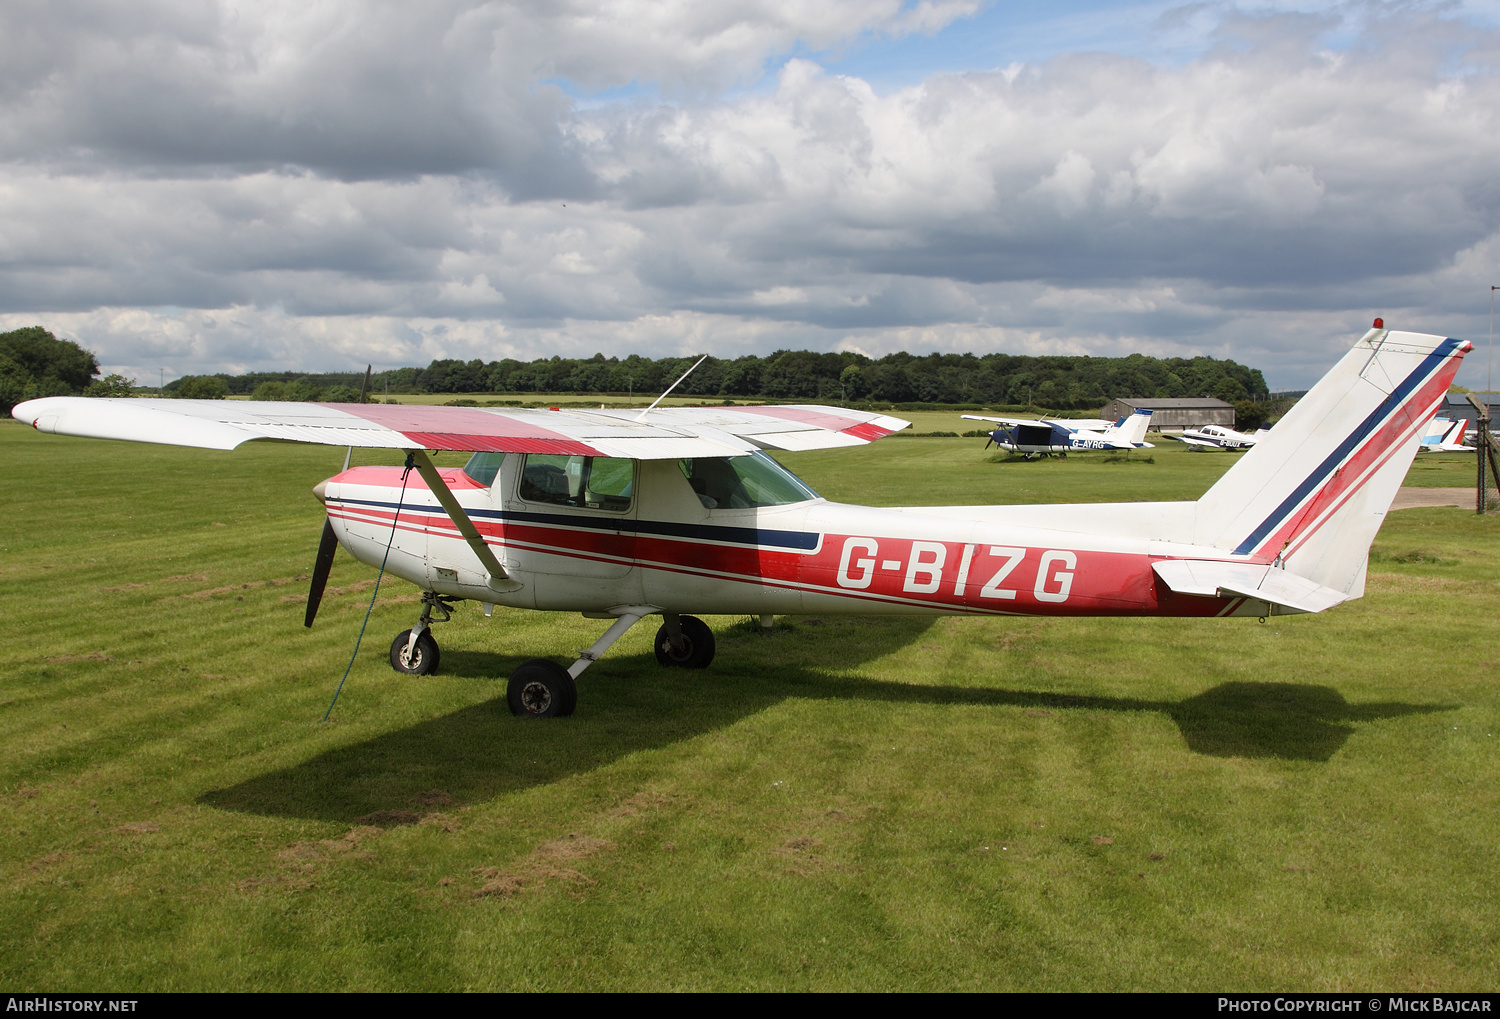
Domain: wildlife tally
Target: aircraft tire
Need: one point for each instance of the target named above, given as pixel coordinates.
(540, 688)
(700, 645)
(424, 657)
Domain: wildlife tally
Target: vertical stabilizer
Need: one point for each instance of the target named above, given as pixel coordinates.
(1131, 429)
(1314, 490)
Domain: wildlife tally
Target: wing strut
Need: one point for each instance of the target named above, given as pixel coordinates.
(498, 577)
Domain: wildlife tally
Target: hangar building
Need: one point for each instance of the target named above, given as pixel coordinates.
(1174, 413)
(1457, 405)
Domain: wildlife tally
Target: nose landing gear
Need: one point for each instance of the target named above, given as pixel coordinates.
(415, 652)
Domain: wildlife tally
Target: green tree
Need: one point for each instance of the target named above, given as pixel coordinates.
(45, 356)
(339, 394)
(200, 387)
(1249, 415)
(14, 378)
(853, 381)
(111, 385)
(34, 363)
(270, 391)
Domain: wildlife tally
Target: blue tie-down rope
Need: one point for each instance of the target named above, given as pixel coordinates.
(399, 503)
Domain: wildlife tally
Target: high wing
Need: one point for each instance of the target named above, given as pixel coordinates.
(1067, 426)
(1000, 421)
(668, 433)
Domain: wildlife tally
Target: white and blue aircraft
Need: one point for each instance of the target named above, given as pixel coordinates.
(1034, 437)
(1445, 435)
(1219, 437)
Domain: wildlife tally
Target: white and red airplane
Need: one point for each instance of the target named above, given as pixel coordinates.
(621, 515)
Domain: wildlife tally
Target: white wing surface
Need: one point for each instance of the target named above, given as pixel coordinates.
(668, 433)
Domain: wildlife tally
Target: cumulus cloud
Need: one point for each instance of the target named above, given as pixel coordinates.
(294, 185)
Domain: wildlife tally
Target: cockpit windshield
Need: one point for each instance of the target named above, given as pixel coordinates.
(483, 467)
(743, 482)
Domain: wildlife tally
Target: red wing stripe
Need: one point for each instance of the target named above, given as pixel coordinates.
(468, 428)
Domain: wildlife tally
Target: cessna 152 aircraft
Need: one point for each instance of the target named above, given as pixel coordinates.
(1043, 437)
(621, 515)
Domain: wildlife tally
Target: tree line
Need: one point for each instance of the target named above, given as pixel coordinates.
(33, 362)
(897, 380)
(1056, 382)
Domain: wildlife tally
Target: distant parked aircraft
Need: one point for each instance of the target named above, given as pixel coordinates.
(1033, 438)
(1219, 437)
(1445, 436)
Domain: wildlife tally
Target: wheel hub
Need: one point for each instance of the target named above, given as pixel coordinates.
(536, 698)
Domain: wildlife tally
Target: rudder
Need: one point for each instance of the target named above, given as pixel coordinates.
(1314, 490)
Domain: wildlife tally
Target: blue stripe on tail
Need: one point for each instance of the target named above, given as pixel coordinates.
(1387, 406)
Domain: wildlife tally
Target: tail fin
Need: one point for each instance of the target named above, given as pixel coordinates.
(1455, 436)
(1131, 429)
(1314, 490)
(1437, 431)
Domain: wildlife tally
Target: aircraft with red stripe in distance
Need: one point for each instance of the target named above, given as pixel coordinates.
(1445, 435)
(678, 511)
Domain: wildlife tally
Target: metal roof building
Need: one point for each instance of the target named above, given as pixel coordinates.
(1457, 405)
(1174, 412)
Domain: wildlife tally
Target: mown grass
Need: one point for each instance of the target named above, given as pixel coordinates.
(841, 803)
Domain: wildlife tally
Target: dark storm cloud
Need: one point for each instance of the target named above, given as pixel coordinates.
(417, 178)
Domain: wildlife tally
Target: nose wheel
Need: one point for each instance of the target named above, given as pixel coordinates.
(415, 659)
(415, 652)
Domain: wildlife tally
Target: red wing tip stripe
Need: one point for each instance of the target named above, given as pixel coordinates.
(869, 431)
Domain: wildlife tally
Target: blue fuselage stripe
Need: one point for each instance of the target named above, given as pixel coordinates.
(803, 541)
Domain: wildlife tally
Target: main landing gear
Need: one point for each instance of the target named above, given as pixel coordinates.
(541, 688)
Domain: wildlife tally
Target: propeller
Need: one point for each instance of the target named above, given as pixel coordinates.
(329, 543)
(321, 566)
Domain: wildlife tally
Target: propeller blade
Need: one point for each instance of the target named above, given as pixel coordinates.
(324, 563)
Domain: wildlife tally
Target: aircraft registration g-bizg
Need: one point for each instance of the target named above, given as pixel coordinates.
(622, 515)
(1044, 437)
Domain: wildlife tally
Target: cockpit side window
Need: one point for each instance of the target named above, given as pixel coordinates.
(483, 467)
(587, 482)
(743, 482)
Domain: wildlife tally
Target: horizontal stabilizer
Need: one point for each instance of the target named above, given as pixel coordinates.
(1215, 579)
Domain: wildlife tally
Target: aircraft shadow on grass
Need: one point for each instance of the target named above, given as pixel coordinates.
(629, 704)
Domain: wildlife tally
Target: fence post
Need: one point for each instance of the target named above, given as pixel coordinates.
(1481, 453)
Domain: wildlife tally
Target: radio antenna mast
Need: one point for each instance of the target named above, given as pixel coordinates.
(673, 386)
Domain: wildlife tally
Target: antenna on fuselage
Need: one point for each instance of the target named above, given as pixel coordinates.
(673, 386)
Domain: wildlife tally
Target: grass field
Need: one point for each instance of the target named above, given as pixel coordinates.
(844, 803)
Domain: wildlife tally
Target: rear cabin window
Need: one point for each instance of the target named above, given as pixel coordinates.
(483, 467)
(587, 482)
(743, 482)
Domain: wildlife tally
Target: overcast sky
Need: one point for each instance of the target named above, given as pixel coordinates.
(209, 186)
